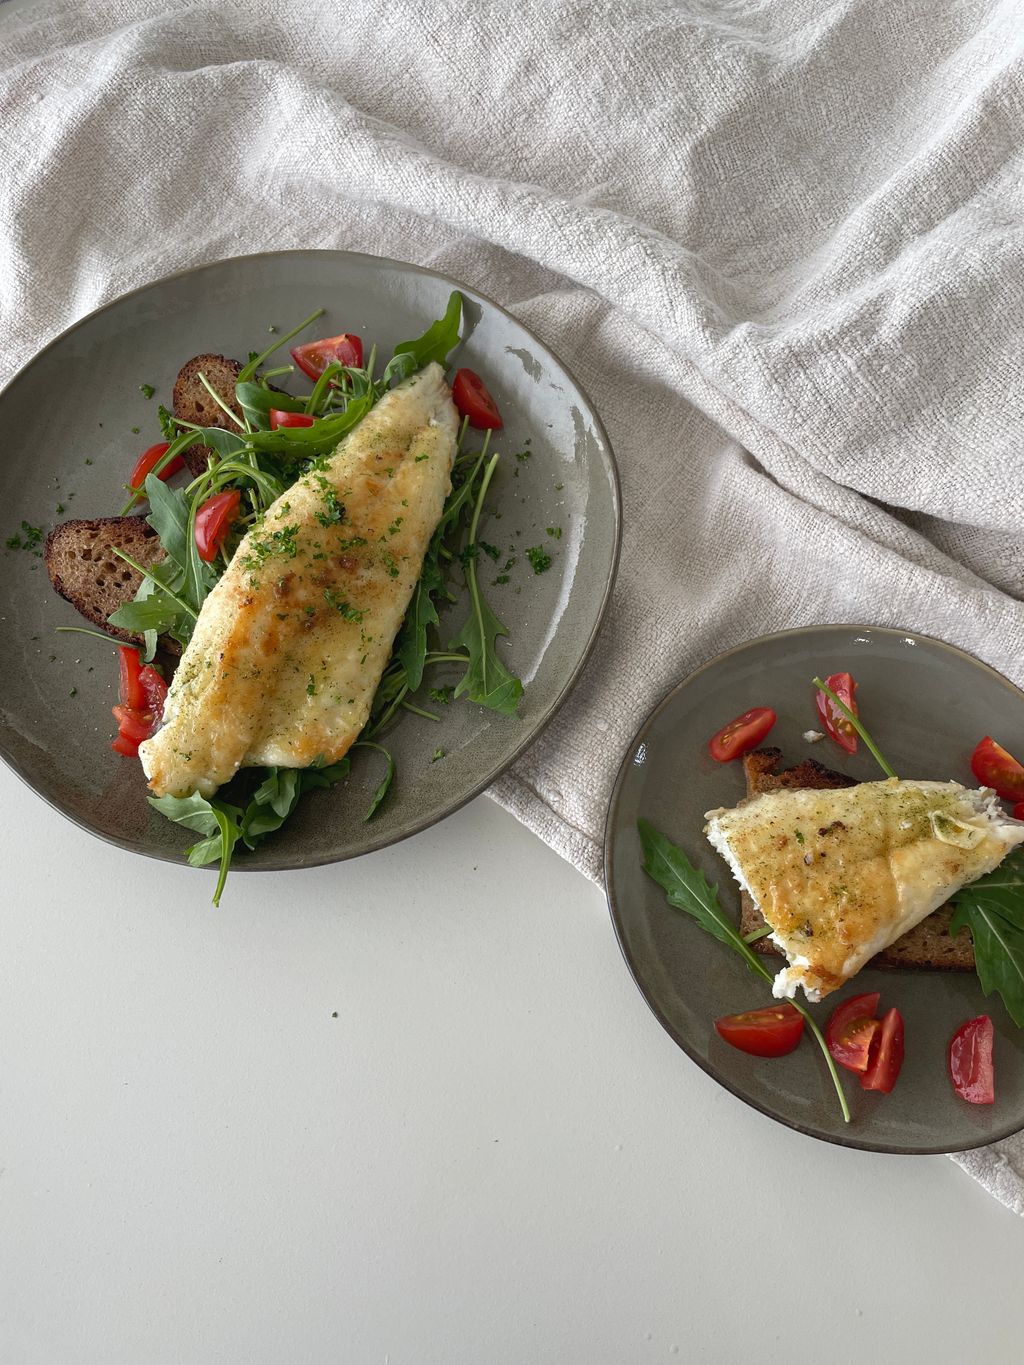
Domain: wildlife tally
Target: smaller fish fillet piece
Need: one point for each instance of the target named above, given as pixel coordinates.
(839, 874)
(291, 643)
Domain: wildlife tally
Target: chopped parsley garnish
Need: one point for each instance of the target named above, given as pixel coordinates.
(491, 550)
(555, 532)
(442, 695)
(147, 390)
(438, 753)
(342, 607)
(539, 559)
(311, 687)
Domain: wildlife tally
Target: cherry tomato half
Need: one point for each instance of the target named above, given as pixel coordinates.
(123, 745)
(835, 723)
(470, 395)
(130, 687)
(132, 724)
(771, 1032)
(886, 1054)
(289, 419)
(314, 357)
(851, 1030)
(213, 521)
(970, 1061)
(144, 464)
(155, 689)
(994, 767)
(742, 734)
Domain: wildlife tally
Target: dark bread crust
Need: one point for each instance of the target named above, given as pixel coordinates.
(192, 402)
(85, 571)
(929, 946)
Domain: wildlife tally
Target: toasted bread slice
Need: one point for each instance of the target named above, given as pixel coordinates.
(84, 569)
(192, 401)
(929, 945)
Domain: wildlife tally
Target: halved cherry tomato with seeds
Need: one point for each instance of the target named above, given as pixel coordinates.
(213, 521)
(886, 1054)
(835, 723)
(770, 1032)
(146, 461)
(994, 767)
(314, 357)
(289, 419)
(851, 1030)
(742, 734)
(154, 688)
(469, 393)
(970, 1061)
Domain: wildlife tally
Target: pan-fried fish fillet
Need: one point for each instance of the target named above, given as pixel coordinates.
(839, 874)
(291, 643)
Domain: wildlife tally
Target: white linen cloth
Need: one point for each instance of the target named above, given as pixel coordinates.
(779, 241)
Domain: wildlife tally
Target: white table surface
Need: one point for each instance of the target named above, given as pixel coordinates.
(492, 1154)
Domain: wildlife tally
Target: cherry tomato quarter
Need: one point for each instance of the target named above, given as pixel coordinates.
(130, 687)
(314, 357)
(851, 1030)
(470, 395)
(148, 459)
(994, 767)
(213, 521)
(886, 1054)
(970, 1061)
(835, 723)
(742, 734)
(770, 1032)
(289, 419)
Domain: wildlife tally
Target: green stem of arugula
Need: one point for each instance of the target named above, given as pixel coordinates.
(83, 630)
(249, 370)
(419, 711)
(757, 934)
(855, 722)
(162, 587)
(242, 426)
(818, 1038)
(226, 850)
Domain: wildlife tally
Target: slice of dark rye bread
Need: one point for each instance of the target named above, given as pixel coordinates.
(192, 401)
(928, 946)
(80, 560)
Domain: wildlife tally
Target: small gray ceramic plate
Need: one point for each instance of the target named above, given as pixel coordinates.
(926, 705)
(68, 420)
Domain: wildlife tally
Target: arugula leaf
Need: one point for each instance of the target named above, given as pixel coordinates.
(168, 516)
(993, 909)
(256, 402)
(486, 681)
(411, 645)
(687, 889)
(435, 343)
(154, 612)
(278, 795)
(389, 775)
(217, 820)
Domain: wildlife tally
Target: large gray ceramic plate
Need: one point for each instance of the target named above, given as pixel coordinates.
(67, 420)
(926, 705)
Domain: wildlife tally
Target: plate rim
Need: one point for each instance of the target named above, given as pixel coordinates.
(608, 863)
(608, 459)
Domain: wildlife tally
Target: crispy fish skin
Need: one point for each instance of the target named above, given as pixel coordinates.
(839, 874)
(292, 641)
